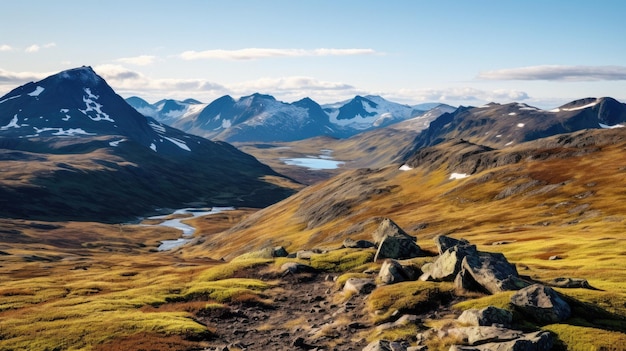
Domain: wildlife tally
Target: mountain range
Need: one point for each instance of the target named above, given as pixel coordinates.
(71, 148)
(256, 117)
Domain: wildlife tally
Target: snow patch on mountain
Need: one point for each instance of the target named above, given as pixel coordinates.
(9, 98)
(116, 143)
(36, 92)
(12, 124)
(92, 105)
(63, 132)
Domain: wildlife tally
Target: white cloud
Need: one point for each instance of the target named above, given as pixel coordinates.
(32, 48)
(142, 60)
(18, 78)
(459, 95)
(259, 53)
(35, 47)
(5, 47)
(558, 73)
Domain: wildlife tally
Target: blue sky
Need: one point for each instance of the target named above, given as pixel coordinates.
(544, 53)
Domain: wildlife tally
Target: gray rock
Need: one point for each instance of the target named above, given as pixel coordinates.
(393, 242)
(360, 286)
(358, 244)
(295, 267)
(280, 251)
(492, 271)
(444, 243)
(481, 335)
(393, 271)
(541, 303)
(487, 316)
(384, 345)
(538, 341)
(306, 254)
(570, 283)
(448, 264)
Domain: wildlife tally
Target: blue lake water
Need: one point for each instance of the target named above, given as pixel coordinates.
(313, 162)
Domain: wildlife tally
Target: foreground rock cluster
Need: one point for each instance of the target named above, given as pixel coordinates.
(459, 263)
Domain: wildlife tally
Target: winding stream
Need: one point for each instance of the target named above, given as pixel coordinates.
(187, 230)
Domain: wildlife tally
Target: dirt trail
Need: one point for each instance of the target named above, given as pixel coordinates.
(307, 313)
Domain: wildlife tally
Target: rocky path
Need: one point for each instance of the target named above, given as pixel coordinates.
(307, 313)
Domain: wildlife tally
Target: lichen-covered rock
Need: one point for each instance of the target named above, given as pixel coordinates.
(448, 264)
(444, 243)
(295, 267)
(492, 271)
(541, 303)
(393, 242)
(482, 335)
(570, 283)
(392, 272)
(486, 317)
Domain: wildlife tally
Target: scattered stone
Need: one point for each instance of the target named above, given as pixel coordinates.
(570, 283)
(358, 244)
(486, 317)
(384, 345)
(306, 254)
(295, 267)
(555, 257)
(541, 303)
(360, 286)
(393, 242)
(393, 271)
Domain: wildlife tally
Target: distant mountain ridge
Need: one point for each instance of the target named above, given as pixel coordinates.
(72, 149)
(500, 125)
(260, 117)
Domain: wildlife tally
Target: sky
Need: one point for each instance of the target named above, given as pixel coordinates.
(543, 53)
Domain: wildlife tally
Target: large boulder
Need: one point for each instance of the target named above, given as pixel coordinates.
(487, 316)
(482, 335)
(448, 264)
(492, 271)
(444, 243)
(393, 242)
(541, 303)
(392, 272)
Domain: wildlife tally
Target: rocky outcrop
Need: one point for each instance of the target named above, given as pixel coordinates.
(357, 244)
(471, 269)
(394, 242)
(542, 304)
(570, 283)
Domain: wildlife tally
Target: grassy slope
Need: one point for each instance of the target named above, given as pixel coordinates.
(90, 286)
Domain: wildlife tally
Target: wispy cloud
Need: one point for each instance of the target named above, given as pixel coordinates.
(129, 81)
(558, 73)
(16, 78)
(459, 95)
(35, 47)
(5, 47)
(260, 53)
(142, 60)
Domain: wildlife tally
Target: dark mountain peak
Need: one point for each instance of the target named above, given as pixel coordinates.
(83, 74)
(136, 101)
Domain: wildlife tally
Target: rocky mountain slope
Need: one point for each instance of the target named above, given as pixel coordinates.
(71, 148)
(496, 125)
